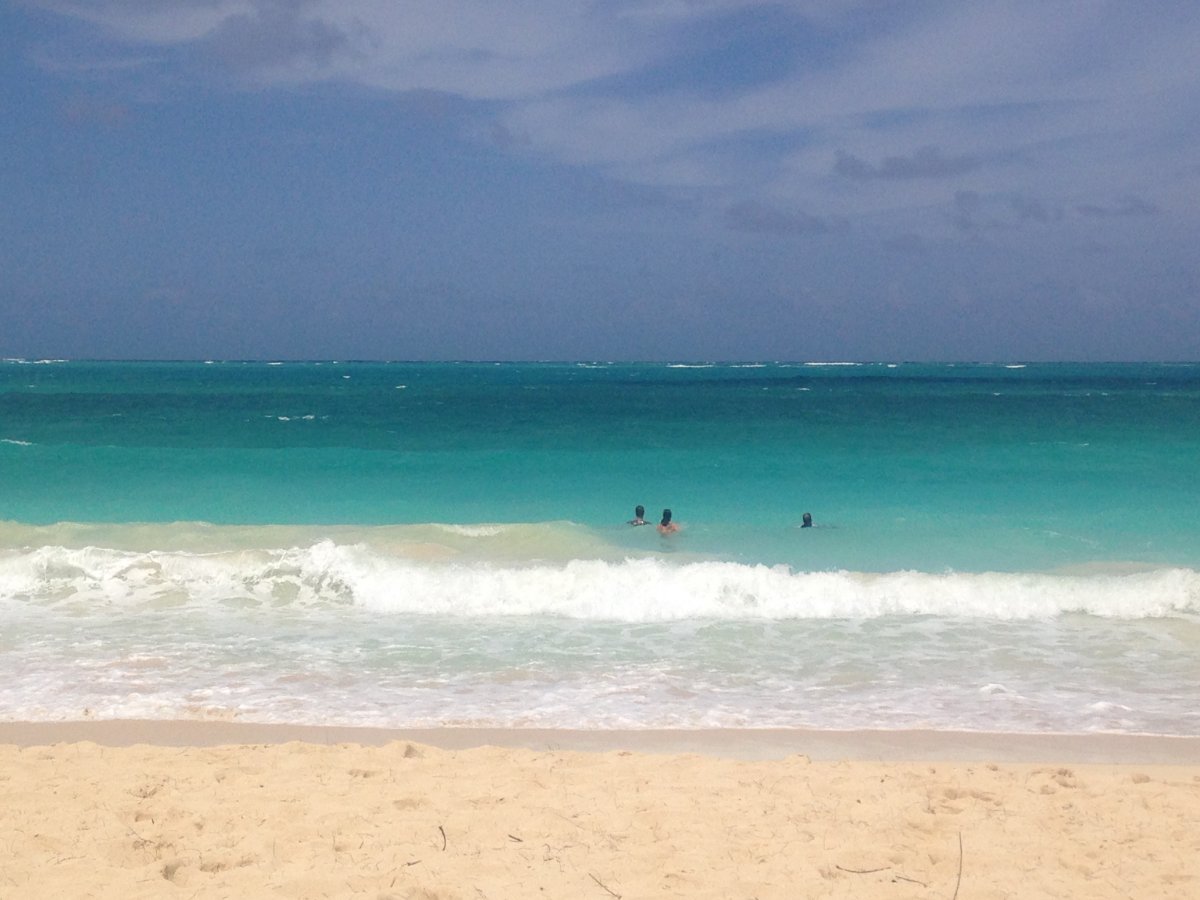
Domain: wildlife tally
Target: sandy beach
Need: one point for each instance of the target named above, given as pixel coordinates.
(143, 809)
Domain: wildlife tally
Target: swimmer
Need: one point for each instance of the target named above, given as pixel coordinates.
(666, 526)
(639, 516)
(806, 519)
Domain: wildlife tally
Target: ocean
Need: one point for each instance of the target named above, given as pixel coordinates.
(995, 547)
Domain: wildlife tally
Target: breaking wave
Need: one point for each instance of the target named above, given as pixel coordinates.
(527, 570)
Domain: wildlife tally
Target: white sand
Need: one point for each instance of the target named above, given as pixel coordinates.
(219, 810)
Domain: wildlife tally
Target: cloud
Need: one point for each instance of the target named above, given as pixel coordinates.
(927, 162)
(906, 242)
(155, 22)
(1028, 209)
(968, 206)
(277, 34)
(1024, 100)
(1125, 206)
(757, 218)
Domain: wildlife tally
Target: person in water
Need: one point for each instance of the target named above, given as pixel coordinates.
(806, 520)
(666, 526)
(639, 516)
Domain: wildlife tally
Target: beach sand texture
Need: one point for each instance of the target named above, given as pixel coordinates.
(408, 820)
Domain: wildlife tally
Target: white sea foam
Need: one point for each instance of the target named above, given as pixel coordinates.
(16, 442)
(407, 626)
(473, 530)
(328, 574)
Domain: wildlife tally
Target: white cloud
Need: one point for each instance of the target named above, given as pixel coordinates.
(474, 48)
(153, 21)
(1073, 99)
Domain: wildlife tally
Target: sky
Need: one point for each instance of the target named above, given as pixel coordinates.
(629, 180)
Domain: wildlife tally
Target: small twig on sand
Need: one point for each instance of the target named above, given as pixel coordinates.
(862, 871)
(958, 883)
(909, 880)
(443, 831)
(605, 886)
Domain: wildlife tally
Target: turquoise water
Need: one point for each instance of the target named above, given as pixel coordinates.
(1012, 547)
(929, 467)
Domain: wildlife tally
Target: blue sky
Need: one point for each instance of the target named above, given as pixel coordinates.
(640, 179)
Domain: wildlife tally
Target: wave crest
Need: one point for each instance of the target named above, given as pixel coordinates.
(331, 574)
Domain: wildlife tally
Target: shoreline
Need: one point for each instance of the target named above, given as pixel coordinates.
(726, 743)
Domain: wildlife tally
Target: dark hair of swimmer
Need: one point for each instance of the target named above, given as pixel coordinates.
(807, 519)
(639, 512)
(666, 519)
